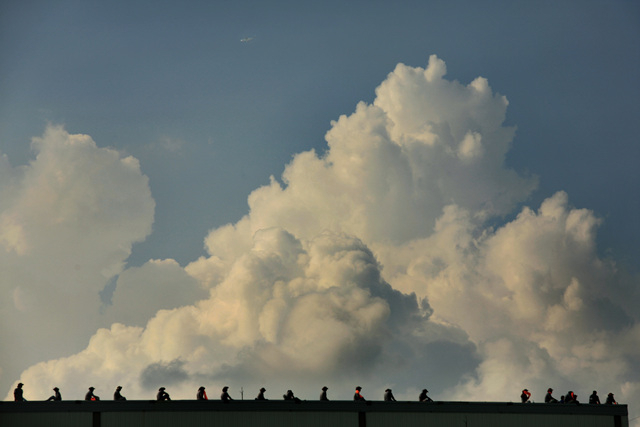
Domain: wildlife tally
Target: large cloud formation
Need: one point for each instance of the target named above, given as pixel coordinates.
(68, 220)
(376, 263)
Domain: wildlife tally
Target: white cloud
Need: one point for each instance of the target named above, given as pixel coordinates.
(67, 223)
(374, 263)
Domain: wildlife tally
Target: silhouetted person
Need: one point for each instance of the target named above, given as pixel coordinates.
(202, 395)
(423, 396)
(17, 393)
(594, 399)
(323, 395)
(610, 400)
(525, 396)
(388, 396)
(290, 396)
(90, 395)
(571, 397)
(225, 395)
(117, 395)
(357, 397)
(57, 397)
(549, 398)
(562, 399)
(261, 394)
(162, 394)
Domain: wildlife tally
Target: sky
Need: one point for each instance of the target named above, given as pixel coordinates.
(297, 194)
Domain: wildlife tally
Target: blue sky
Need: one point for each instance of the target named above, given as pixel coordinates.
(434, 221)
(133, 75)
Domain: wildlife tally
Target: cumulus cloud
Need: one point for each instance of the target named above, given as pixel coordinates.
(374, 263)
(160, 284)
(67, 223)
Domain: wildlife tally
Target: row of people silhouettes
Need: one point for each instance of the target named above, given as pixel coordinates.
(595, 400)
(525, 397)
(570, 397)
(57, 396)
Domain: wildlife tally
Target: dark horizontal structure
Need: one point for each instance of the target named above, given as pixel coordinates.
(143, 413)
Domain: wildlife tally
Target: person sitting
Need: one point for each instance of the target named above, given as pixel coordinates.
(90, 395)
(162, 394)
(57, 397)
(388, 396)
(261, 394)
(549, 398)
(571, 397)
(357, 396)
(117, 395)
(201, 395)
(17, 394)
(594, 399)
(610, 400)
(289, 396)
(225, 394)
(323, 395)
(525, 396)
(423, 396)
